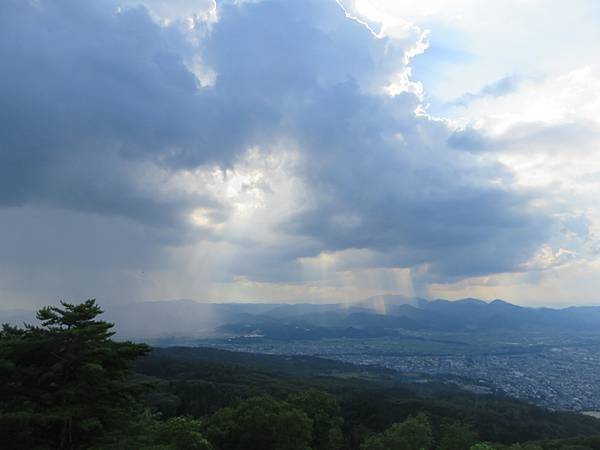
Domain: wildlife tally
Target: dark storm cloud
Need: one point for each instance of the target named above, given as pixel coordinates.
(92, 94)
(383, 178)
(88, 94)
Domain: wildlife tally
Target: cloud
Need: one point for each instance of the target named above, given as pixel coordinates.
(90, 97)
(292, 148)
(498, 88)
(379, 176)
(548, 134)
(472, 46)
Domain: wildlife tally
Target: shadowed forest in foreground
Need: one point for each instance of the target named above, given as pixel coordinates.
(66, 384)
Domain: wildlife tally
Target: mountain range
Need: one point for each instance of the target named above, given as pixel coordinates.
(377, 316)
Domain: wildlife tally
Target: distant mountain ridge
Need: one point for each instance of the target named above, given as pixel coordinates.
(375, 316)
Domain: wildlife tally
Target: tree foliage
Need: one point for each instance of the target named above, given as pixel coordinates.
(482, 446)
(259, 423)
(413, 434)
(64, 383)
(456, 436)
(324, 411)
(180, 433)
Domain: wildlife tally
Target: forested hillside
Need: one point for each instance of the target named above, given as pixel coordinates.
(67, 385)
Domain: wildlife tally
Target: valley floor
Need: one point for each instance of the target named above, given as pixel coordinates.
(557, 373)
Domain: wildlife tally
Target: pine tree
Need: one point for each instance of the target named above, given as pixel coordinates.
(65, 383)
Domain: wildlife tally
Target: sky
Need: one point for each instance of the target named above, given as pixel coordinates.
(309, 150)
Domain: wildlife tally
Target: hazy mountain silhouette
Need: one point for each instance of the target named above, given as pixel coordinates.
(376, 316)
